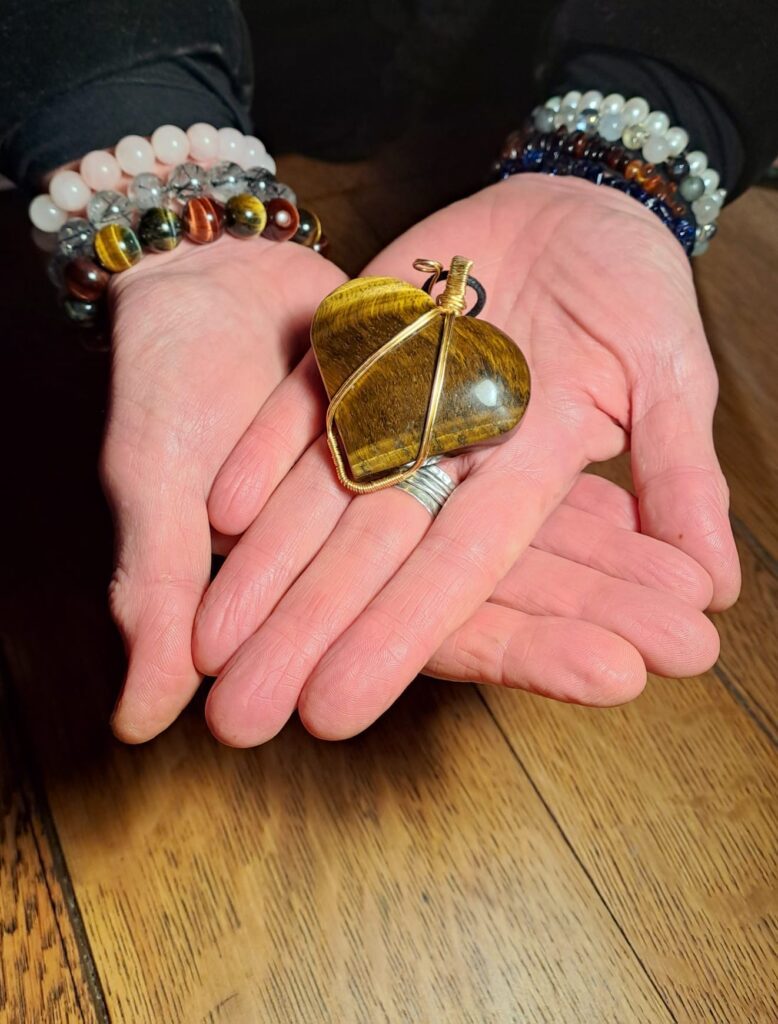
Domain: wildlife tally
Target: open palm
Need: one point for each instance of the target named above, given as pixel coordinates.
(338, 620)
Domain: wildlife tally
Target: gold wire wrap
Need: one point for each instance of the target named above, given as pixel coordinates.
(449, 305)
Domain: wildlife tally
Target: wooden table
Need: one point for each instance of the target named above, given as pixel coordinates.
(478, 856)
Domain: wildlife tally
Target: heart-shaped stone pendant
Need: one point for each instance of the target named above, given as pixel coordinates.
(409, 376)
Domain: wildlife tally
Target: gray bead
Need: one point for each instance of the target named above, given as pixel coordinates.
(187, 181)
(691, 188)
(226, 179)
(55, 271)
(81, 312)
(609, 127)
(109, 208)
(76, 238)
(260, 182)
(544, 119)
(586, 121)
(146, 191)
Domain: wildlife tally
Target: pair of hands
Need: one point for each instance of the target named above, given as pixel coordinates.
(532, 576)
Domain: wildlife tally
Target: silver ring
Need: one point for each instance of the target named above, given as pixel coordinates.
(430, 486)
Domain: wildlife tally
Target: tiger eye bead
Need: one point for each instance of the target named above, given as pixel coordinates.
(283, 220)
(160, 229)
(85, 280)
(203, 220)
(309, 231)
(322, 246)
(632, 169)
(245, 215)
(117, 247)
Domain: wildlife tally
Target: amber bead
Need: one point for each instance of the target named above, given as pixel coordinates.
(632, 169)
(309, 231)
(203, 220)
(653, 184)
(117, 247)
(160, 230)
(245, 215)
(283, 220)
(85, 280)
(679, 210)
(645, 172)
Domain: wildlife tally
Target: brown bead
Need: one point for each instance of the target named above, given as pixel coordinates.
(653, 185)
(85, 280)
(615, 153)
(646, 171)
(678, 209)
(309, 232)
(512, 146)
(203, 220)
(322, 246)
(632, 169)
(283, 220)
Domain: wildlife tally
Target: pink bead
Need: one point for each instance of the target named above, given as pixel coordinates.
(69, 191)
(253, 151)
(203, 141)
(231, 145)
(171, 145)
(267, 162)
(45, 214)
(100, 170)
(135, 155)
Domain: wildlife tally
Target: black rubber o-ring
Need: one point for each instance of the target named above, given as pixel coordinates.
(472, 282)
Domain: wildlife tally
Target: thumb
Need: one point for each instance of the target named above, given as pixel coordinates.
(162, 570)
(683, 497)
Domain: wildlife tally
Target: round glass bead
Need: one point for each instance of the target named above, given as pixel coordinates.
(80, 312)
(544, 119)
(117, 247)
(566, 118)
(633, 136)
(634, 111)
(590, 100)
(609, 127)
(109, 208)
(677, 167)
(632, 169)
(187, 180)
(76, 238)
(69, 191)
(710, 179)
(613, 103)
(692, 188)
(655, 149)
(283, 220)
(170, 144)
(677, 140)
(100, 170)
(45, 214)
(135, 154)
(586, 121)
(705, 210)
(55, 270)
(203, 141)
(84, 279)
(697, 160)
(262, 183)
(309, 231)
(160, 229)
(226, 179)
(245, 215)
(203, 220)
(146, 191)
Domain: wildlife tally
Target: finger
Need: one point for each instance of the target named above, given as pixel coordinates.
(680, 487)
(259, 688)
(282, 430)
(484, 526)
(672, 637)
(603, 498)
(163, 564)
(222, 543)
(276, 548)
(561, 658)
(589, 540)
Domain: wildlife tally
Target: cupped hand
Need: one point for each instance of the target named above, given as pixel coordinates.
(334, 604)
(201, 337)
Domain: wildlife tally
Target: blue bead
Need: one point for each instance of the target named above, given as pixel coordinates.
(532, 159)
(685, 231)
(638, 193)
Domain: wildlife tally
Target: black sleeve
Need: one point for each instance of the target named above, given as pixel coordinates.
(710, 66)
(79, 76)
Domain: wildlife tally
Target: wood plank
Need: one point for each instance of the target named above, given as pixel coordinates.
(671, 804)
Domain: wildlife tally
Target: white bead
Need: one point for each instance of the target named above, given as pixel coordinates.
(719, 196)
(706, 210)
(135, 155)
(609, 126)
(69, 191)
(571, 99)
(697, 161)
(554, 103)
(612, 104)
(253, 151)
(231, 145)
(590, 100)
(657, 122)
(100, 170)
(267, 162)
(711, 179)
(45, 214)
(700, 247)
(203, 141)
(635, 110)
(677, 140)
(171, 145)
(655, 149)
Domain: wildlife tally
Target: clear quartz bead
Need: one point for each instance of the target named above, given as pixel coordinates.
(76, 238)
(262, 184)
(226, 179)
(610, 126)
(146, 191)
(109, 208)
(186, 181)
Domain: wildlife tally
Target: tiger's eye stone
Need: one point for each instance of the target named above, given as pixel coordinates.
(203, 220)
(309, 231)
(322, 247)
(160, 229)
(85, 280)
(117, 247)
(245, 216)
(283, 220)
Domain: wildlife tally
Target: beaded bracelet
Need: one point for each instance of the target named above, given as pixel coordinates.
(623, 144)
